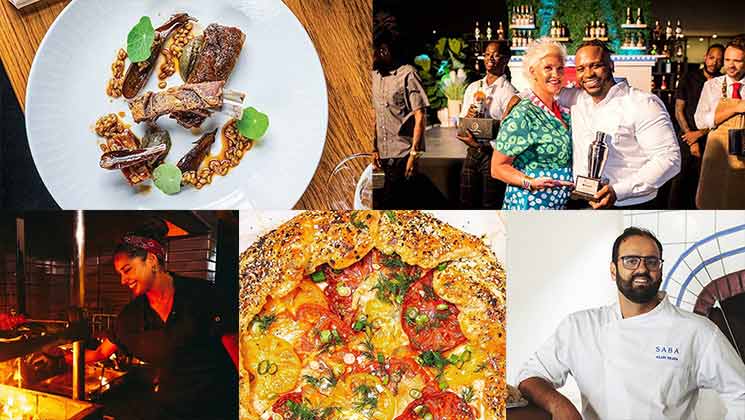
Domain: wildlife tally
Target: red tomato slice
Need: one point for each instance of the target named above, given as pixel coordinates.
(342, 284)
(434, 324)
(442, 405)
(280, 406)
(320, 319)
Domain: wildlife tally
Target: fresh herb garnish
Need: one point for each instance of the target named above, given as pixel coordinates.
(368, 398)
(361, 324)
(393, 261)
(253, 123)
(300, 411)
(140, 40)
(433, 359)
(356, 223)
(392, 290)
(318, 277)
(391, 215)
(324, 381)
(329, 338)
(481, 366)
(442, 266)
(264, 321)
(467, 394)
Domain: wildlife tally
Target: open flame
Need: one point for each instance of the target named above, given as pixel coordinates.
(17, 409)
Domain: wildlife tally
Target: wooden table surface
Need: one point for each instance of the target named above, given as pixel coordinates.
(341, 31)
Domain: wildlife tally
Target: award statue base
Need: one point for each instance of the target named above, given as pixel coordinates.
(585, 188)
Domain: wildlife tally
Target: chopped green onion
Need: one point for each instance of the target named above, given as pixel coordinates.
(442, 307)
(442, 266)
(385, 380)
(421, 319)
(454, 358)
(359, 325)
(466, 355)
(411, 313)
(318, 277)
(263, 367)
(325, 336)
(428, 416)
(343, 290)
(399, 299)
(420, 408)
(443, 385)
(381, 358)
(273, 369)
(415, 394)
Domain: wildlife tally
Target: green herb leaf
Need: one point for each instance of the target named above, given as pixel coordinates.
(368, 398)
(391, 215)
(140, 40)
(253, 123)
(467, 394)
(318, 277)
(442, 266)
(167, 177)
(264, 321)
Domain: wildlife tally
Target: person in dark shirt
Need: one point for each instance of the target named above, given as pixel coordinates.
(693, 140)
(180, 326)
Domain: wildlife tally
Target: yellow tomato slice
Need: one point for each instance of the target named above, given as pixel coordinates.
(386, 320)
(363, 397)
(273, 363)
(466, 372)
(308, 292)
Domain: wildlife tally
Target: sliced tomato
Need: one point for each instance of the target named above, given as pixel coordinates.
(343, 283)
(442, 405)
(320, 319)
(280, 406)
(430, 321)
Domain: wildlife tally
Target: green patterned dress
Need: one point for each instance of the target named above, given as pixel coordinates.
(541, 147)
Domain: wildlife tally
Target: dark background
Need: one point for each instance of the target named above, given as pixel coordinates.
(418, 19)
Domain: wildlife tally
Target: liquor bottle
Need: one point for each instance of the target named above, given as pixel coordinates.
(633, 40)
(564, 31)
(668, 31)
(679, 51)
(488, 30)
(626, 41)
(640, 41)
(678, 30)
(628, 16)
(653, 51)
(521, 16)
(592, 29)
(639, 18)
(666, 52)
(603, 30)
(587, 30)
(598, 29)
(500, 32)
(531, 19)
(657, 31)
(663, 86)
(513, 17)
(477, 31)
(677, 81)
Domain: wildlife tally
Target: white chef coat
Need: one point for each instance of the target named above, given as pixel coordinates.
(646, 367)
(498, 95)
(643, 151)
(710, 96)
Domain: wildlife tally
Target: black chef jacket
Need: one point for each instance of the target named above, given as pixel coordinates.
(197, 378)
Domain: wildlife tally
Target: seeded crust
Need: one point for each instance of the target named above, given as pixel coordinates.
(472, 279)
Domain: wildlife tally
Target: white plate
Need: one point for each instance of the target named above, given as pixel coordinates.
(278, 69)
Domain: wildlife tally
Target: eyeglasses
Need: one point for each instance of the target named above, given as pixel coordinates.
(631, 262)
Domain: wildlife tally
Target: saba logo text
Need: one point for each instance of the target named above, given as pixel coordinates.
(666, 352)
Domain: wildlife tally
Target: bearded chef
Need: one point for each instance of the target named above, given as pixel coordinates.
(640, 359)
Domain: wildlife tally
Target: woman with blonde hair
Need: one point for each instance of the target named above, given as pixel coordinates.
(533, 150)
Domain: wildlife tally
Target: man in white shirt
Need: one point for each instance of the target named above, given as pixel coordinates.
(643, 151)
(640, 359)
(477, 188)
(708, 114)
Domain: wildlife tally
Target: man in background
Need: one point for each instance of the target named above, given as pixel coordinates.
(693, 139)
(477, 188)
(400, 104)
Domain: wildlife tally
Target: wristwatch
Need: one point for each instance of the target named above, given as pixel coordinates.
(415, 153)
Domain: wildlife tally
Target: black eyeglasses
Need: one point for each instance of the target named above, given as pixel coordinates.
(631, 262)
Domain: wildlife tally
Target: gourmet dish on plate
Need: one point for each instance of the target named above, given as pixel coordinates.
(204, 60)
(371, 315)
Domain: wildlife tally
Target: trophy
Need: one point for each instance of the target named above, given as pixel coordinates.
(586, 186)
(737, 142)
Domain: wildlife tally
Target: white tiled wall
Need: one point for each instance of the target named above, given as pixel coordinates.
(679, 230)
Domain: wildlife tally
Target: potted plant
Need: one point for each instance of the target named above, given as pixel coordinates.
(435, 67)
(454, 87)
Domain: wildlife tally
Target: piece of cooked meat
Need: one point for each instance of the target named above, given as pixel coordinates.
(215, 61)
(220, 50)
(199, 97)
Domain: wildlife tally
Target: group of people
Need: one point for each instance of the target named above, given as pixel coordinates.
(546, 132)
